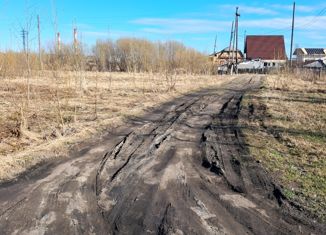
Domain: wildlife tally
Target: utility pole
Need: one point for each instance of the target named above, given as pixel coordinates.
(244, 42)
(237, 15)
(58, 42)
(233, 48)
(75, 40)
(215, 44)
(23, 34)
(231, 37)
(39, 42)
(292, 34)
(27, 43)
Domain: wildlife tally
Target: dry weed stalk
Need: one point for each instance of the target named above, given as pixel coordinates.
(96, 93)
(59, 110)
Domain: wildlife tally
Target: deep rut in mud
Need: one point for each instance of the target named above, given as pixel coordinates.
(182, 169)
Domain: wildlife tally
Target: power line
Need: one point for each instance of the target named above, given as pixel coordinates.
(315, 19)
(309, 22)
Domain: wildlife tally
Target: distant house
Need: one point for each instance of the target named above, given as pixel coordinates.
(222, 57)
(309, 54)
(270, 49)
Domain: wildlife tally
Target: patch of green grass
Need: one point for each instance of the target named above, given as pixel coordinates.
(289, 193)
(314, 138)
(297, 156)
(276, 154)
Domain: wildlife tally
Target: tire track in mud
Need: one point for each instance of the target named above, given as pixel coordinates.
(166, 122)
(221, 150)
(183, 169)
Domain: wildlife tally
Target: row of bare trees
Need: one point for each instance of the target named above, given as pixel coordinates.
(68, 58)
(122, 55)
(141, 55)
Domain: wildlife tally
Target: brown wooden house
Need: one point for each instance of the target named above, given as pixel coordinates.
(222, 57)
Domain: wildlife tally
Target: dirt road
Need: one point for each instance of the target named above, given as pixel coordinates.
(181, 169)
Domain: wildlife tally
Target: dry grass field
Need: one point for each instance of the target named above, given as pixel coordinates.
(64, 108)
(286, 130)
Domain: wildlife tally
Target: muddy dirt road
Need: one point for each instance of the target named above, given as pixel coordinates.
(181, 169)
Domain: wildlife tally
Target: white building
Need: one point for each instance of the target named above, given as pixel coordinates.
(309, 54)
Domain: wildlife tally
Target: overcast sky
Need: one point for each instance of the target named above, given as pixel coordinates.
(194, 23)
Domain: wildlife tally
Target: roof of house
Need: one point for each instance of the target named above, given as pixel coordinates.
(311, 51)
(265, 47)
(227, 49)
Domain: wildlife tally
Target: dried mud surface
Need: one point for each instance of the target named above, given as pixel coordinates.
(181, 169)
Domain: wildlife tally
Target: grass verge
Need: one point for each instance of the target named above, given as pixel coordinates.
(285, 126)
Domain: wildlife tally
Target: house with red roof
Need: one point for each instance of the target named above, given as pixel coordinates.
(270, 49)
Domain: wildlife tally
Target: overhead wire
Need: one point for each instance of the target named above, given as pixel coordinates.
(309, 22)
